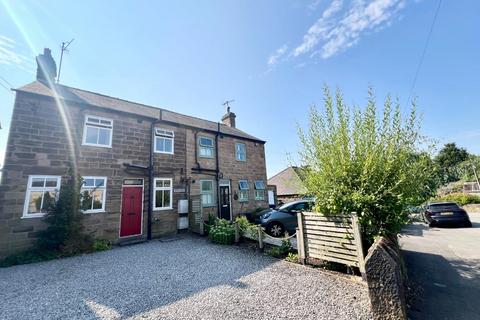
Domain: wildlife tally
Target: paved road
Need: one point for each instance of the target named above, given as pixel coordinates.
(445, 265)
(188, 278)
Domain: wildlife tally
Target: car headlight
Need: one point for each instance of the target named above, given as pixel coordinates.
(266, 215)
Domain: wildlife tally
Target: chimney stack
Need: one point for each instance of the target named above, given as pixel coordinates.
(229, 118)
(46, 67)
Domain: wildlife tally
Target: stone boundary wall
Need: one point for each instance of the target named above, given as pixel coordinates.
(386, 280)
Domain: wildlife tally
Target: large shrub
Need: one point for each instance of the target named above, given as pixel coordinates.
(460, 198)
(366, 161)
(65, 231)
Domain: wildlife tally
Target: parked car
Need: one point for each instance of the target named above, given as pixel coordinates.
(284, 218)
(445, 213)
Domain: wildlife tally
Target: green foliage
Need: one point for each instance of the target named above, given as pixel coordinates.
(292, 257)
(282, 251)
(465, 170)
(212, 220)
(101, 245)
(366, 161)
(247, 229)
(222, 232)
(30, 256)
(460, 198)
(447, 159)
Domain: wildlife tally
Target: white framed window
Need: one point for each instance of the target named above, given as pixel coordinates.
(205, 147)
(41, 192)
(93, 194)
(163, 194)
(243, 190)
(97, 132)
(164, 141)
(259, 190)
(240, 151)
(207, 192)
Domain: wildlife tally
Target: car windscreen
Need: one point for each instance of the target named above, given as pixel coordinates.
(443, 207)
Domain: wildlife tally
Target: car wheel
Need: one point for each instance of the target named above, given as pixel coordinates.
(276, 229)
(431, 224)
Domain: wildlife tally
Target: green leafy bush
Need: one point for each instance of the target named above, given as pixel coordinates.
(222, 232)
(247, 229)
(282, 251)
(292, 257)
(101, 245)
(366, 161)
(460, 198)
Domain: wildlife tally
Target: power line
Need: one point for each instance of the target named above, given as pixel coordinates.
(6, 88)
(11, 86)
(424, 51)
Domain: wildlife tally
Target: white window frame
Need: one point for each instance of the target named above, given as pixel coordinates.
(166, 135)
(104, 188)
(237, 153)
(94, 125)
(243, 190)
(38, 189)
(200, 146)
(259, 190)
(155, 189)
(212, 192)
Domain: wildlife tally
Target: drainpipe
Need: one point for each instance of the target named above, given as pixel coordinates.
(217, 169)
(150, 181)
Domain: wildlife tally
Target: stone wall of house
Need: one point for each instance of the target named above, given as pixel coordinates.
(40, 144)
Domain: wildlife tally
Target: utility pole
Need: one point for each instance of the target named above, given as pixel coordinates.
(63, 49)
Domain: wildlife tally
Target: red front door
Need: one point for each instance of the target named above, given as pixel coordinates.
(131, 218)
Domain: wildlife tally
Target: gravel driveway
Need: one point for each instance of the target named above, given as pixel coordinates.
(188, 278)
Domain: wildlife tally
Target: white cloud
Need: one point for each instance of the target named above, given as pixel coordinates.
(338, 29)
(9, 54)
(279, 53)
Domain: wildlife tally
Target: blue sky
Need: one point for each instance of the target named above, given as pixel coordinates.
(272, 57)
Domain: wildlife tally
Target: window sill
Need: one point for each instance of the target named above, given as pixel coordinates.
(93, 212)
(96, 145)
(32, 216)
(162, 209)
(241, 160)
(161, 152)
(205, 157)
(209, 206)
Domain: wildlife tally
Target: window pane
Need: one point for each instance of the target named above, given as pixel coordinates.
(206, 186)
(206, 142)
(168, 145)
(166, 183)
(48, 200)
(259, 185)
(158, 198)
(207, 199)
(99, 183)
(166, 198)
(106, 122)
(35, 201)
(104, 136)
(243, 184)
(51, 182)
(86, 200)
(97, 199)
(159, 183)
(93, 120)
(89, 182)
(206, 152)
(38, 182)
(91, 135)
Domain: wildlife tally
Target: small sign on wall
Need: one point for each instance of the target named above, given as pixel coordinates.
(180, 190)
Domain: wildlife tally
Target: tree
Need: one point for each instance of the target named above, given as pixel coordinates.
(366, 162)
(64, 218)
(447, 159)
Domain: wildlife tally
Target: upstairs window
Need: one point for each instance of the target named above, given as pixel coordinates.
(97, 132)
(164, 141)
(259, 190)
(163, 194)
(243, 190)
(41, 193)
(93, 194)
(205, 147)
(207, 192)
(240, 152)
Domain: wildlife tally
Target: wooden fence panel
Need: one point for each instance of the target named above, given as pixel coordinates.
(330, 238)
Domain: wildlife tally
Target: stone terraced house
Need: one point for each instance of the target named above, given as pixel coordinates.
(140, 164)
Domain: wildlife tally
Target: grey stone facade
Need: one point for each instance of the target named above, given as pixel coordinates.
(46, 139)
